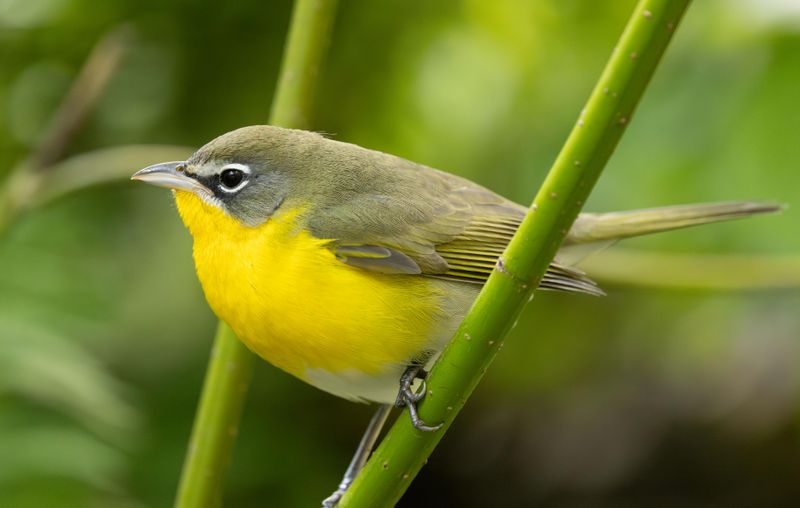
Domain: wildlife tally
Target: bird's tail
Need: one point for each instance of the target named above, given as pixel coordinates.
(593, 231)
(600, 227)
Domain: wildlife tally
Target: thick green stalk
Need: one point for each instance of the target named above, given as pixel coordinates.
(404, 450)
(307, 44)
(229, 370)
(216, 422)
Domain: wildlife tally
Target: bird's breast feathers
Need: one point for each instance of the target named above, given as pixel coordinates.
(289, 298)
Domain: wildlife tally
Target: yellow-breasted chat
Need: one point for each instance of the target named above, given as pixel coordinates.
(351, 268)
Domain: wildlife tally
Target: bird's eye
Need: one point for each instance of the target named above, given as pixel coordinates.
(230, 178)
(233, 177)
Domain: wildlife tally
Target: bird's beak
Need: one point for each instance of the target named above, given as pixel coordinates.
(171, 176)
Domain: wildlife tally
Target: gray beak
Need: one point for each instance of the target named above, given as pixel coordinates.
(171, 176)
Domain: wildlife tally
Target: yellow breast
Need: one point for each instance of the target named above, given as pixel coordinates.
(293, 303)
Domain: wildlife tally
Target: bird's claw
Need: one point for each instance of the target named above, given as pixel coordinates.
(333, 500)
(407, 394)
(407, 398)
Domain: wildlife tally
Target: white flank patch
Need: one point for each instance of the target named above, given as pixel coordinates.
(359, 386)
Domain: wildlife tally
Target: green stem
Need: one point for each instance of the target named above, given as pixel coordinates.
(227, 378)
(25, 179)
(608, 111)
(216, 422)
(705, 272)
(99, 167)
(307, 44)
(83, 96)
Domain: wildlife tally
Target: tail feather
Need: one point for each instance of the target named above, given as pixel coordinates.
(592, 232)
(602, 227)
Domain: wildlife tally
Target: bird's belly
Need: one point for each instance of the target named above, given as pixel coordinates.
(343, 329)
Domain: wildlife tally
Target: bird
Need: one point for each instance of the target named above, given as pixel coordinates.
(350, 268)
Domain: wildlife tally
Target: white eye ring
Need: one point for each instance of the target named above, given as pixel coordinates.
(241, 167)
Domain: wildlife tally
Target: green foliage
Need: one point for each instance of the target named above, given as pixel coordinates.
(676, 396)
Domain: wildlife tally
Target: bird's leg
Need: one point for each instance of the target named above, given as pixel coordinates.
(407, 398)
(361, 455)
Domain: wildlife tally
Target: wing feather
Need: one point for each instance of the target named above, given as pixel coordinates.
(430, 223)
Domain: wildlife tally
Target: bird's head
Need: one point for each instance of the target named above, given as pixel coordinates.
(248, 174)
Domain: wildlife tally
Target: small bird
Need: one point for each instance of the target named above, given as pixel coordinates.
(351, 268)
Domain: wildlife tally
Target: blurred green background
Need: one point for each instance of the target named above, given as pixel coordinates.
(674, 390)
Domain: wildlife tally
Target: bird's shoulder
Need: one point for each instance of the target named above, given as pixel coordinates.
(397, 216)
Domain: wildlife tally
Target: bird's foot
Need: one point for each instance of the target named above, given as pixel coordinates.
(362, 453)
(407, 398)
(333, 500)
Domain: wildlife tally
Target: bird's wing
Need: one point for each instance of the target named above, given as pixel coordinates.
(439, 225)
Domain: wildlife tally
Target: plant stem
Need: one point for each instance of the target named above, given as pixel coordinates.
(216, 422)
(601, 124)
(307, 44)
(22, 182)
(229, 370)
(98, 167)
(83, 95)
(705, 272)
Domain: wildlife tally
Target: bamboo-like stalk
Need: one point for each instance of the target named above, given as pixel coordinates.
(216, 422)
(228, 375)
(601, 124)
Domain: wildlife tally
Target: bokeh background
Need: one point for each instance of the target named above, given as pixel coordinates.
(680, 388)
